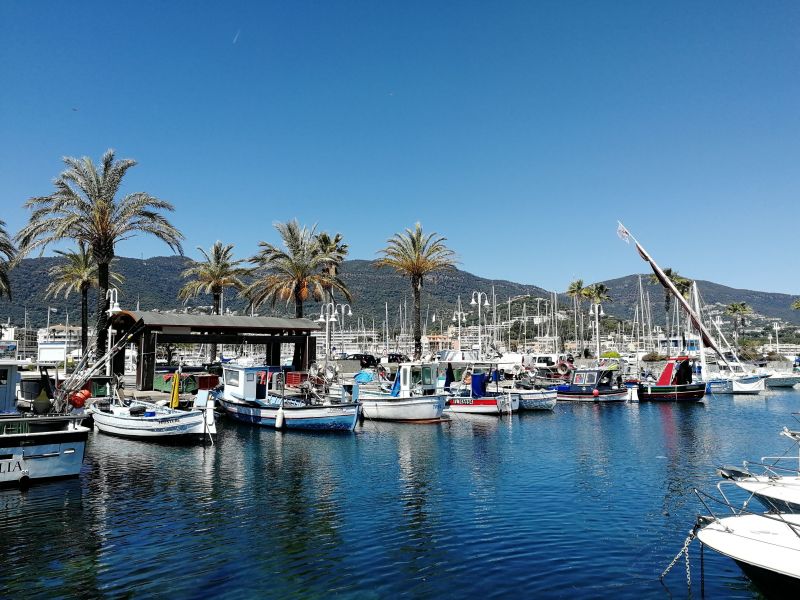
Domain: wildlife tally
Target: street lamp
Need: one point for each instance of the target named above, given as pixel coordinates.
(328, 314)
(597, 310)
(476, 301)
(777, 344)
(113, 308)
(459, 316)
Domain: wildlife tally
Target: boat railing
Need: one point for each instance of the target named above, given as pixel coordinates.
(13, 424)
(737, 512)
(772, 469)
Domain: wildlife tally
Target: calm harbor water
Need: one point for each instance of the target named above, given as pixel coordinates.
(588, 501)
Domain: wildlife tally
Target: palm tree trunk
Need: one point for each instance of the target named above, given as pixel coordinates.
(217, 295)
(416, 284)
(297, 359)
(84, 319)
(102, 305)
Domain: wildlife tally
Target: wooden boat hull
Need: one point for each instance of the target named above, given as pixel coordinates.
(782, 381)
(616, 395)
(328, 417)
(159, 422)
(40, 454)
(424, 408)
(690, 392)
(537, 399)
(485, 405)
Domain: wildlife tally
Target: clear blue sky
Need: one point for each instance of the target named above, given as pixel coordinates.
(519, 130)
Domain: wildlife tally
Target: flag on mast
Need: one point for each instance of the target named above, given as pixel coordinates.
(623, 233)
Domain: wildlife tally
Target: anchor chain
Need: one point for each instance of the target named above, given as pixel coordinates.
(685, 551)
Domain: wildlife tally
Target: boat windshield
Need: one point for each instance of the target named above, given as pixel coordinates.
(585, 378)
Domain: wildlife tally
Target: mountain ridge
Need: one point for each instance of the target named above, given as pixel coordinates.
(155, 281)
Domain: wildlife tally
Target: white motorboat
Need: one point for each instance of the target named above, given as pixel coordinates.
(776, 487)
(765, 546)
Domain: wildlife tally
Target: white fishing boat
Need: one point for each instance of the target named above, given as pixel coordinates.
(40, 447)
(34, 446)
(470, 393)
(147, 420)
(412, 397)
(765, 546)
(256, 395)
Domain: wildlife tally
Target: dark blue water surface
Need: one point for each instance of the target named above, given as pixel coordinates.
(587, 501)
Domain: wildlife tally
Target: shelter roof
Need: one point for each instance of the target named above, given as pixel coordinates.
(230, 323)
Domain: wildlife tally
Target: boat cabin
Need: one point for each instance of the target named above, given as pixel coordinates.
(678, 371)
(251, 382)
(417, 379)
(595, 378)
(9, 378)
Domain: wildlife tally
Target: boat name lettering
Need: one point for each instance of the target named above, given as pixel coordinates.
(10, 466)
(461, 401)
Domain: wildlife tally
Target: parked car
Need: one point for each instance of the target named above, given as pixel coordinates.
(366, 360)
(396, 357)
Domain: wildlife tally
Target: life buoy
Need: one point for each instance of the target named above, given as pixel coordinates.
(562, 368)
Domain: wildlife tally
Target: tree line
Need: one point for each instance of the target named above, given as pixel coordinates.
(86, 208)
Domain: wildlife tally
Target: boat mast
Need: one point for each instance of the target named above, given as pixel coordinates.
(696, 301)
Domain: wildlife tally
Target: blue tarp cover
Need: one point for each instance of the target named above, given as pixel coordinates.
(478, 384)
(363, 377)
(396, 386)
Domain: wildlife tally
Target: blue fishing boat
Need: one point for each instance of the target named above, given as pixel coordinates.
(257, 395)
(594, 385)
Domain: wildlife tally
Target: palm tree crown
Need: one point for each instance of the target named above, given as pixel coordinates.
(84, 207)
(297, 272)
(597, 293)
(415, 255)
(336, 251)
(212, 275)
(8, 251)
(738, 310)
(77, 273)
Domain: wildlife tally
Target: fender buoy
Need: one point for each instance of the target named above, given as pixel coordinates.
(79, 398)
(595, 392)
(279, 419)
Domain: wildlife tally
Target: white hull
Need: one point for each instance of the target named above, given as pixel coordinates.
(40, 453)
(537, 400)
(425, 408)
(771, 544)
(782, 381)
(157, 421)
(494, 405)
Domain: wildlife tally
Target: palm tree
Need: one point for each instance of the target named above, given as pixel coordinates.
(84, 208)
(336, 251)
(211, 276)
(77, 274)
(296, 272)
(597, 293)
(683, 285)
(415, 255)
(575, 291)
(9, 252)
(737, 310)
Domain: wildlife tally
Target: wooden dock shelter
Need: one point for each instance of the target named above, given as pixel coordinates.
(169, 328)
